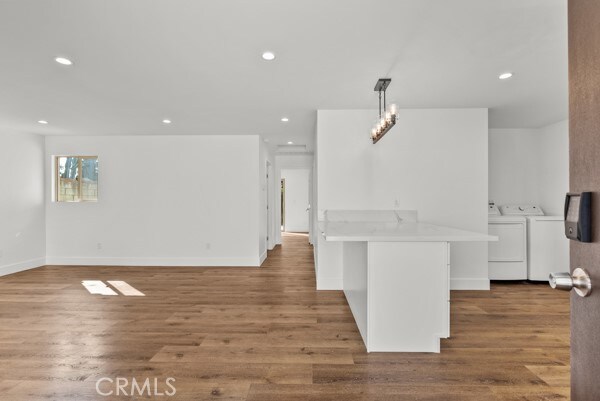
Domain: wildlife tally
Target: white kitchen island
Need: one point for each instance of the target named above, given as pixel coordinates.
(396, 276)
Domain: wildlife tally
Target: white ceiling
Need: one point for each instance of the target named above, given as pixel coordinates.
(198, 63)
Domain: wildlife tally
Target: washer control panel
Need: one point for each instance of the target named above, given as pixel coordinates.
(493, 210)
(521, 210)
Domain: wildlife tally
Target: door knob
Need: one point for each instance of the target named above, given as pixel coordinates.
(579, 280)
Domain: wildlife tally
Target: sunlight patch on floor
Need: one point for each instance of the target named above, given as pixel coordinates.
(98, 287)
(126, 289)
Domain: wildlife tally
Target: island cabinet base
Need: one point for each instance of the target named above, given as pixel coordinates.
(399, 293)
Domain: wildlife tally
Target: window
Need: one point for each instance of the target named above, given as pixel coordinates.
(76, 178)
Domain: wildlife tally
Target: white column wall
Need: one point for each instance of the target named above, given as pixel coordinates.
(22, 213)
(434, 161)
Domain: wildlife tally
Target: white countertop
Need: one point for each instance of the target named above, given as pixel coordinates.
(397, 232)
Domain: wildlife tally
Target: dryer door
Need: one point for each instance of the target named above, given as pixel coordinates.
(511, 245)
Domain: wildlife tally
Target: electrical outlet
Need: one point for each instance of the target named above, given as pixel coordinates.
(99, 245)
(208, 245)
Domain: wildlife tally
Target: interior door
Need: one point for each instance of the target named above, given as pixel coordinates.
(584, 160)
(269, 211)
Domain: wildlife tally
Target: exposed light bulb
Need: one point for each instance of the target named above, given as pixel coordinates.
(388, 115)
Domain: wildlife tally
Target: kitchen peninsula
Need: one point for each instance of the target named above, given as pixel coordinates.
(396, 274)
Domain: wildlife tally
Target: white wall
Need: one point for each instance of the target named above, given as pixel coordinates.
(163, 200)
(554, 173)
(288, 161)
(22, 215)
(296, 199)
(433, 161)
(530, 166)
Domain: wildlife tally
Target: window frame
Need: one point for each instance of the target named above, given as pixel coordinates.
(80, 170)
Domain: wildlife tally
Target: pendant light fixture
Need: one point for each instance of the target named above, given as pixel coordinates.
(387, 116)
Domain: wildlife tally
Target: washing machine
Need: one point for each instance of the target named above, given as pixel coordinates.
(507, 257)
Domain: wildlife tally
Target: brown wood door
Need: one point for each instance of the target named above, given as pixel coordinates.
(584, 144)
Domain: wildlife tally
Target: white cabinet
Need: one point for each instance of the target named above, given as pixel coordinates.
(399, 294)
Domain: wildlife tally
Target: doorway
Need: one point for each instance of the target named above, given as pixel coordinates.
(268, 185)
(295, 203)
(282, 204)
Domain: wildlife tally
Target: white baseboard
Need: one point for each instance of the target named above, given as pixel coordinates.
(22, 266)
(130, 261)
(469, 284)
(329, 283)
(336, 283)
(262, 258)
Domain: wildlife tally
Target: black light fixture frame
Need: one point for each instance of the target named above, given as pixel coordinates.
(381, 86)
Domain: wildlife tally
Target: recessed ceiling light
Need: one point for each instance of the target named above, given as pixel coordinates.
(42, 121)
(165, 121)
(63, 61)
(506, 75)
(290, 143)
(285, 119)
(268, 56)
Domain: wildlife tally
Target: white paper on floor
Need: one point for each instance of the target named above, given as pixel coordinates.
(98, 287)
(126, 289)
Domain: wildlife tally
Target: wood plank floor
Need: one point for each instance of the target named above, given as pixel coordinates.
(265, 334)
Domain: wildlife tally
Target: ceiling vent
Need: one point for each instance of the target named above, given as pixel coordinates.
(291, 149)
